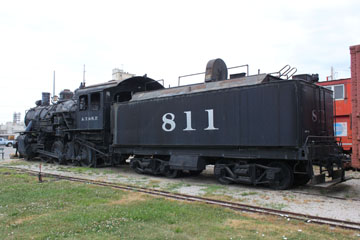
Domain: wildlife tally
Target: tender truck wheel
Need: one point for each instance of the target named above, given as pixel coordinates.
(285, 177)
(300, 179)
(172, 173)
(221, 174)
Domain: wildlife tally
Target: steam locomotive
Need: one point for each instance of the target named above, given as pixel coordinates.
(260, 129)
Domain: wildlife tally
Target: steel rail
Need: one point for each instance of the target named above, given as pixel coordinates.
(184, 197)
(306, 193)
(327, 196)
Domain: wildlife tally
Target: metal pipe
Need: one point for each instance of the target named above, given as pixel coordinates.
(245, 65)
(189, 75)
(54, 85)
(194, 74)
(84, 75)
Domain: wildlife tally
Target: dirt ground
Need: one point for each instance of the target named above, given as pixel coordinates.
(307, 199)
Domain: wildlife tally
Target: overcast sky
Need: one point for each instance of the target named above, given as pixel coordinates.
(164, 39)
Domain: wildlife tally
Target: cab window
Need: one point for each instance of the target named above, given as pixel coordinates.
(95, 101)
(83, 102)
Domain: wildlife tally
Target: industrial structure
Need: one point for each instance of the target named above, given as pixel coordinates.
(119, 74)
(342, 111)
(346, 93)
(11, 130)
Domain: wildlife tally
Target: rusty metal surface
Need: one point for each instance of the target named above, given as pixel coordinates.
(216, 70)
(202, 87)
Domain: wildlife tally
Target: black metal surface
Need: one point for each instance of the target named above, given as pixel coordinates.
(187, 162)
(262, 115)
(91, 116)
(307, 77)
(256, 120)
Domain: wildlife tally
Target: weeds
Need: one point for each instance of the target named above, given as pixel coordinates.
(62, 209)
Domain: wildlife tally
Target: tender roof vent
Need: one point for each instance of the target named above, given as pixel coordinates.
(216, 70)
(307, 77)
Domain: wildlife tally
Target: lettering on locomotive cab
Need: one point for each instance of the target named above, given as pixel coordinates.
(169, 121)
(90, 118)
(314, 116)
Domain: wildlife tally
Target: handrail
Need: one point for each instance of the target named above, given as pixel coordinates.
(287, 71)
(287, 67)
(292, 73)
(194, 74)
(307, 140)
(188, 75)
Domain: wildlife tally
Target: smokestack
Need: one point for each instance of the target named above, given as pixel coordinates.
(45, 99)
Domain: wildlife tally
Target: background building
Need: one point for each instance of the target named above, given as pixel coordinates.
(11, 130)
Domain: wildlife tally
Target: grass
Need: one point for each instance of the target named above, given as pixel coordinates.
(277, 206)
(248, 193)
(66, 210)
(86, 170)
(173, 187)
(213, 189)
(153, 184)
(18, 162)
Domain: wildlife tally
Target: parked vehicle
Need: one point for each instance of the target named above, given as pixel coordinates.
(6, 142)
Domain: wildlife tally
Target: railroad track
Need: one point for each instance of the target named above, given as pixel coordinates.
(302, 192)
(327, 196)
(184, 197)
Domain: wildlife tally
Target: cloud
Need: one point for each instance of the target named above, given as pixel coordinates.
(164, 39)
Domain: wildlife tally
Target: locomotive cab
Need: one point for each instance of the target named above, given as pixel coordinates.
(94, 102)
(93, 135)
(90, 107)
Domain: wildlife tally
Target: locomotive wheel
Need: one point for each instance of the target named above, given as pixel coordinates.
(69, 152)
(135, 164)
(172, 173)
(85, 156)
(285, 177)
(221, 174)
(58, 148)
(77, 159)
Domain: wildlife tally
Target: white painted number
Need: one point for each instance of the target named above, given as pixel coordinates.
(188, 122)
(168, 123)
(210, 120)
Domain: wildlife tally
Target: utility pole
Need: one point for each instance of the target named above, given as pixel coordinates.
(54, 85)
(84, 76)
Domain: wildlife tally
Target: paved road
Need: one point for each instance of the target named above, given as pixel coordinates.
(7, 150)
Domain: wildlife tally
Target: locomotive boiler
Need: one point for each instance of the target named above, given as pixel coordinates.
(259, 129)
